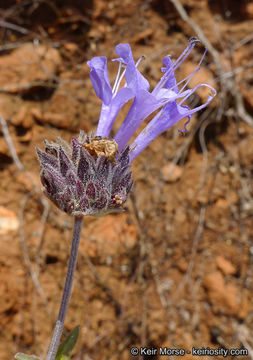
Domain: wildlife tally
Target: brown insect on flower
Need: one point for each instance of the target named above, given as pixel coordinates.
(102, 146)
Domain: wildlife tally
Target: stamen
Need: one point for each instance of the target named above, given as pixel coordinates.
(199, 107)
(117, 78)
(180, 82)
(193, 73)
(193, 91)
(177, 63)
(139, 60)
(120, 79)
(187, 51)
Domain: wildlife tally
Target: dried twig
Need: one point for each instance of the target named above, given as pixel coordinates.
(10, 145)
(20, 166)
(18, 163)
(196, 28)
(242, 113)
(226, 86)
(242, 42)
(14, 27)
(33, 274)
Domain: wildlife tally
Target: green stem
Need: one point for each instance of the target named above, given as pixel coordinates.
(67, 290)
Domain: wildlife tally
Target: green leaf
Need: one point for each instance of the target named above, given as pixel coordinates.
(67, 346)
(20, 356)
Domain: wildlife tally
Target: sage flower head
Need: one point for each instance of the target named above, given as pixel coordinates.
(88, 177)
(92, 175)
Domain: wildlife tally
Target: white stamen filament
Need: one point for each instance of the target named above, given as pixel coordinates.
(139, 60)
(180, 82)
(173, 67)
(117, 78)
(193, 91)
(193, 73)
(119, 81)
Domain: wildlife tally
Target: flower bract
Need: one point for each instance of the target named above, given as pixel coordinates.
(88, 177)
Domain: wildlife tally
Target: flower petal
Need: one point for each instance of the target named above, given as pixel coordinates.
(134, 79)
(168, 116)
(171, 82)
(99, 78)
(167, 78)
(109, 112)
(143, 105)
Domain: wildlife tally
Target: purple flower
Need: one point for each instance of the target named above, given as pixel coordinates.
(92, 175)
(165, 97)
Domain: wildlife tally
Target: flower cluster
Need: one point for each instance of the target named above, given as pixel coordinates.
(92, 177)
(87, 178)
(166, 96)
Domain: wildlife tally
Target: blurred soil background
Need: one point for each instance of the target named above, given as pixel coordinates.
(176, 268)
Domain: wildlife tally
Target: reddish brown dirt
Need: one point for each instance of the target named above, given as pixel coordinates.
(176, 268)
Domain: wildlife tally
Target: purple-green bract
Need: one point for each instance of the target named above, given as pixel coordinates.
(82, 182)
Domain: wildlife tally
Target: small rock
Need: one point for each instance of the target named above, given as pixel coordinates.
(244, 306)
(225, 266)
(28, 180)
(183, 265)
(171, 172)
(57, 120)
(110, 236)
(142, 36)
(8, 221)
(65, 109)
(222, 204)
(23, 118)
(24, 67)
(4, 149)
(71, 47)
(224, 298)
(9, 105)
(27, 137)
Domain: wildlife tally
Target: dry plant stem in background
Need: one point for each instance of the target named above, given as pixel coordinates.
(67, 290)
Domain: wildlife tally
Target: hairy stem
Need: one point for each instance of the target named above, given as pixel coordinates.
(67, 290)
